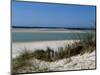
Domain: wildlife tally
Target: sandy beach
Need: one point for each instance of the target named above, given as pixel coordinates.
(85, 61)
(49, 30)
(18, 47)
(77, 62)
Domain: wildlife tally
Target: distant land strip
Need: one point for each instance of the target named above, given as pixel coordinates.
(53, 28)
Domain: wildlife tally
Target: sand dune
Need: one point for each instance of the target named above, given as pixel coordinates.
(19, 47)
(79, 62)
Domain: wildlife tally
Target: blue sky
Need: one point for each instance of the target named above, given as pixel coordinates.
(52, 15)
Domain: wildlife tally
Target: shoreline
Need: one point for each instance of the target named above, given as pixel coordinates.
(18, 47)
(50, 30)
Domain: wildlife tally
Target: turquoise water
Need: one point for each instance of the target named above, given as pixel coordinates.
(45, 36)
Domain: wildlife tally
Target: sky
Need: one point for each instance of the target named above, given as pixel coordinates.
(34, 14)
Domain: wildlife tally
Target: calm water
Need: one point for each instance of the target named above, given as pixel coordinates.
(44, 36)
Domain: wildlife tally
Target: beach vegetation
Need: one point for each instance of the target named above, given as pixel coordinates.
(87, 44)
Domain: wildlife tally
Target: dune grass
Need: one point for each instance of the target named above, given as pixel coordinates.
(86, 44)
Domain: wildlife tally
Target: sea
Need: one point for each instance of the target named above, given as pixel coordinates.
(48, 35)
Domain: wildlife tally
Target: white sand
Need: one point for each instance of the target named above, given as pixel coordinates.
(19, 47)
(50, 30)
(85, 61)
